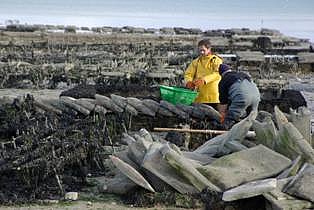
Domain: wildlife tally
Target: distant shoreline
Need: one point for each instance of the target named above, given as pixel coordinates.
(15, 26)
(291, 18)
(300, 31)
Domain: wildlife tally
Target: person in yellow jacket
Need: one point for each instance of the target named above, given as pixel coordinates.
(203, 75)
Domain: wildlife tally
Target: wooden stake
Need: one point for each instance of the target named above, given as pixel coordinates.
(249, 134)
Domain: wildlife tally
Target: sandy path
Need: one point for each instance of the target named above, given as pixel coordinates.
(41, 94)
(80, 205)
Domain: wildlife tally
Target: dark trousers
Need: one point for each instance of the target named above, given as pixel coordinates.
(214, 105)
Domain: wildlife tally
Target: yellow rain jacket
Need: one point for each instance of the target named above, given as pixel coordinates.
(206, 68)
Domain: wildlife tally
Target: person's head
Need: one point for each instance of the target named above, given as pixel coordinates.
(224, 68)
(204, 47)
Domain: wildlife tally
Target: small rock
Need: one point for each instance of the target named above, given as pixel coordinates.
(73, 196)
(48, 201)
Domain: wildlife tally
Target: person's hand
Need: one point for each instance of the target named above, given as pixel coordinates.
(190, 85)
(222, 117)
(199, 82)
(222, 109)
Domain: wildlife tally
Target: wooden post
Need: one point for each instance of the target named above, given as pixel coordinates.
(249, 134)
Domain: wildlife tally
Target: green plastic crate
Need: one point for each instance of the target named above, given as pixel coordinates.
(177, 95)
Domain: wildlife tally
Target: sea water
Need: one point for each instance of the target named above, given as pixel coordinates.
(291, 17)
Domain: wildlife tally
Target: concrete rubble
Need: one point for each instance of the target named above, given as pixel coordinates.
(224, 164)
(250, 189)
(276, 154)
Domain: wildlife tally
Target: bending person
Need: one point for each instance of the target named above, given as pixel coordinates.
(238, 96)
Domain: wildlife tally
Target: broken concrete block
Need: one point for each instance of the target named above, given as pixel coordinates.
(123, 155)
(292, 170)
(300, 118)
(139, 106)
(248, 165)
(107, 103)
(71, 102)
(202, 159)
(185, 167)
(266, 132)
(250, 189)
(100, 109)
(46, 106)
(119, 184)
(172, 108)
(155, 163)
(138, 149)
(302, 185)
(235, 146)
(211, 147)
(145, 143)
(280, 118)
(220, 144)
(278, 200)
(122, 102)
(239, 131)
(127, 139)
(86, 103)
(207, 111)
(287, 203)
(131, 173)
(281, 183)
(146, 135)
(291, 143)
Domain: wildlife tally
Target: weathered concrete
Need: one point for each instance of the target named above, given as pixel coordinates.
(248, 165)
(300, 118)
(303, 184)
(277, 200)
(292, 170)
(291, 143)
(120, 184)
(185, 167)
(156, 164)
(266, 132)
(219, 144)
(131, 173)
(280, 118)
(250, 189)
